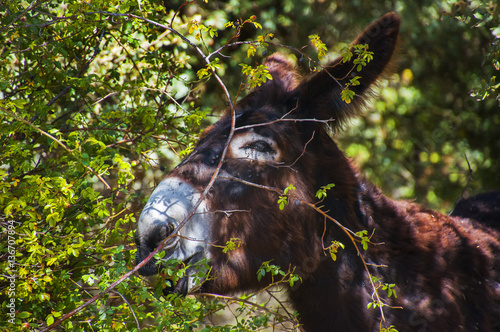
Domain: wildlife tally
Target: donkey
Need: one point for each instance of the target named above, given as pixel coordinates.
(446, 270)
(484, 208)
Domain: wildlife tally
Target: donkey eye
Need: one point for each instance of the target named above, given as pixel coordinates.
(259, 146)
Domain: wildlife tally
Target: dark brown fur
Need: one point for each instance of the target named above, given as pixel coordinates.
(484, 208)
(446, 270)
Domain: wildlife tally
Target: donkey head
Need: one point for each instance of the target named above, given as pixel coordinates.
(279, 139)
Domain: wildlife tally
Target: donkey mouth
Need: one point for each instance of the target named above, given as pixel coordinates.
(181, 287)
(187, 283)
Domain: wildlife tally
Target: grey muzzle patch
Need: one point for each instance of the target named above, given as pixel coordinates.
(169, 205)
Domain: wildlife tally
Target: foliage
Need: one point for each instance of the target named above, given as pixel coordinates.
(231, 245)
(333, 249)
(98, 100)
(257, 75)
(321, 193)
(319, 45)
(275, 270)
(283, 199)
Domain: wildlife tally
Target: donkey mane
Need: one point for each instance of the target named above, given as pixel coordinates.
(446, 269)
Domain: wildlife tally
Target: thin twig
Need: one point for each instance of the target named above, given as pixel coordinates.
(237, 299)
(131, 309)
(180, 35)
(469, 180)
(178, 10)
(107, 290)
(280, 303)
(302, 153)
(284, 120)
(30, 7)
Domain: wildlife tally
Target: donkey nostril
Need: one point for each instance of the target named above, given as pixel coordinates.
(163, 232)
(158, 234)
(166, 230)
(171, 228)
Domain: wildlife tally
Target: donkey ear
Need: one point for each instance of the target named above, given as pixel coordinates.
(284, 79)
(319, 96)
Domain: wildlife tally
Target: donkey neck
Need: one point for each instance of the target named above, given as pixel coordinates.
(334, 297)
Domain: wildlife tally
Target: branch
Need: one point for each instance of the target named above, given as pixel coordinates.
(179, 9)
(253, 304)
(469, 180)
(352, 235)
(44, 133)
(282, 305)
(30, 7)
(302, 153)
(284, 120)
(131, 309)
(107, 290)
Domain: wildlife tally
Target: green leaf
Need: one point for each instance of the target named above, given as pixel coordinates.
(231, 245)
(282, 201)
(321, 193)
(24, 314)
(251, 50)
(288, 189)
(44, 297)
(319, 45)
(257, 75)
(347, 95)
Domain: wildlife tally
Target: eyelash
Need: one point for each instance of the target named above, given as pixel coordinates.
(260, 146)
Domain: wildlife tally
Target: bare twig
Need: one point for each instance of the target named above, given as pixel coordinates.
(284, 120)
(131, 309)
(179, 9)
(282, 305)
(238, 299)
(302, 153)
